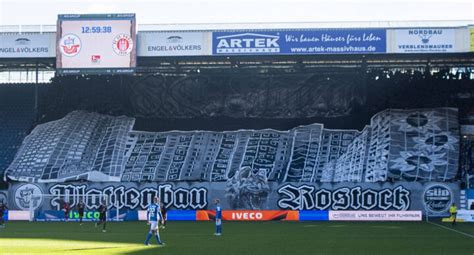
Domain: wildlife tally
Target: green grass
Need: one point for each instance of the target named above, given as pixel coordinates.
(287, 238)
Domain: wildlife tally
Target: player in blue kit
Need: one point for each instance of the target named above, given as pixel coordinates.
(153, 216)
(218, 218)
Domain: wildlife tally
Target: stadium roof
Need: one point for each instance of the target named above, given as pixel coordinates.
(304, 25)
(248, 26)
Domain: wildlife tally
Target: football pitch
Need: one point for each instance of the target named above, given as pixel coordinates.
(240, 238)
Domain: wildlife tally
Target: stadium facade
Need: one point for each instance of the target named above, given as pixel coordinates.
(389, 164)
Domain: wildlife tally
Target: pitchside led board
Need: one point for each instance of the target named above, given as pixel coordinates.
(96, 43)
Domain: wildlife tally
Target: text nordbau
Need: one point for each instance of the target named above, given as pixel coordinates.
(425, 32)
(248, 43)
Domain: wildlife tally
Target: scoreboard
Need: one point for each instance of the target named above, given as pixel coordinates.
(96, 43)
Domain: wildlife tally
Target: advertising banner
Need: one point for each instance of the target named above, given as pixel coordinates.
(424, 40)
(469, 196)
(58, 215)
(462, 216)
(249, 215)
(172, 215)
(16, 215)
(432, 197)
(375, 215)
(156, 44)
(465, 215)
(314, 215)
(471, 37)
(335, 41)
(28, 45)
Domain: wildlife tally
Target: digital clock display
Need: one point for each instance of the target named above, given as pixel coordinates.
(104, 29)
(96, 43)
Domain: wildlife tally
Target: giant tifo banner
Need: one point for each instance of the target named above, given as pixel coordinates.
(431, 197)
(389, 165)
(331, 41)
(415, 145)
(32, 45)
(424, 40)
(174, 44)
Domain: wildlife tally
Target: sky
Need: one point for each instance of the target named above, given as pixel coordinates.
(44, 12)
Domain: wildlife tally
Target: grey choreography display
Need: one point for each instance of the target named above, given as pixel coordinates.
(397, 145)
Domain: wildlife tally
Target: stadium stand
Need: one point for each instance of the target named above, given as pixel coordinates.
(467, 160)
(16, 119)
(357, 129)
(337, 98)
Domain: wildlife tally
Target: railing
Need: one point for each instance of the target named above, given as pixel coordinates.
(28, 29)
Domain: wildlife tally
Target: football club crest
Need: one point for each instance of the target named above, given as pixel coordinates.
(28, 194)
(70, 45)
(122, 44)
